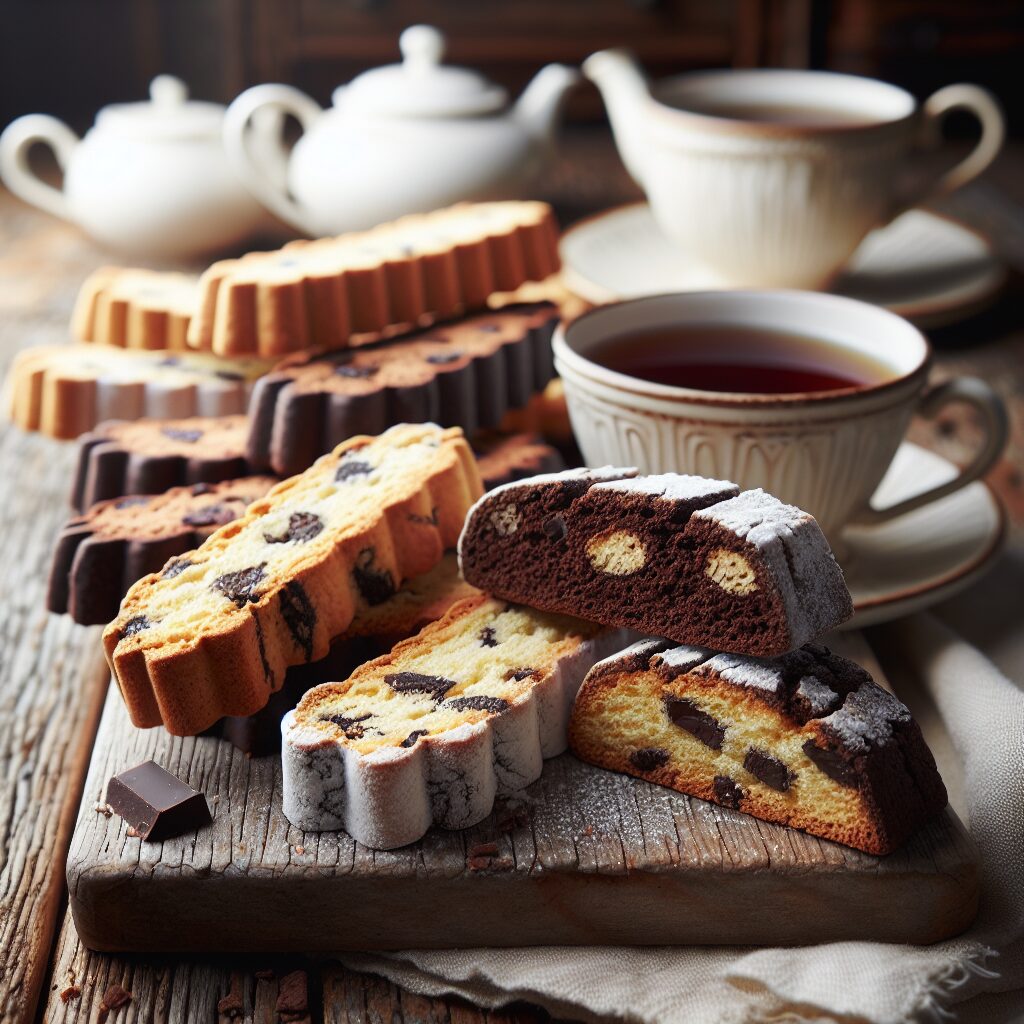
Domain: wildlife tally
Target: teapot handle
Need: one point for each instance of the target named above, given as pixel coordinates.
(18, 138)
(256, 173)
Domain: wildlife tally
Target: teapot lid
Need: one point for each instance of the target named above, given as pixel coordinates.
(168, 114)
(421, 85)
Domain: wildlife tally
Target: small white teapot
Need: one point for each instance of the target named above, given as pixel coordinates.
(149, 178)
(400, 139)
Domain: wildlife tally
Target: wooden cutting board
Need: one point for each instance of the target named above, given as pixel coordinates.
(583, 856)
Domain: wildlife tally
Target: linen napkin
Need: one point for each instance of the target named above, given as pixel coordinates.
(978, 976)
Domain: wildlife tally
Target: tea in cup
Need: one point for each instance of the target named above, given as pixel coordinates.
(804, 394)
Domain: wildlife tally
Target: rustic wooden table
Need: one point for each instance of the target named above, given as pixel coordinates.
(49, 708)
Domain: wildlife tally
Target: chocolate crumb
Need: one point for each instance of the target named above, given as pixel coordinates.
(114, 998)
(292, 994)
(231, 1005)
(71, 992)
(488, 637)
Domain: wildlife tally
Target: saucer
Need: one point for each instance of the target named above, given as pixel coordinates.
(925, 556)
(930, 269)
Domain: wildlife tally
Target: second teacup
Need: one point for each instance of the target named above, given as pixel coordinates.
(772, 178)
(804, 394)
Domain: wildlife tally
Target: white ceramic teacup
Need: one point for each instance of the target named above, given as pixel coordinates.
(824, 451)
(760, 199)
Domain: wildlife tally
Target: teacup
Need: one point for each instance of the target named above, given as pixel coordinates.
(772, 178)
(824, 451)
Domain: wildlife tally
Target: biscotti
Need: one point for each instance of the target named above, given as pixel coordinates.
(682, 557)
(324, 292)
(213, 633)
(807, 739)
(152, 456)
(133, 308)
(429, 733)
(503, 458)
(65, 390)
(373, 632)
(467, 374)
(100, 554)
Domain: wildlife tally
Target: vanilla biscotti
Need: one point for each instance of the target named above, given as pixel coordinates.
(807, 739)
(429, 733)
(682, 557)
(213, 633)
(320, 293)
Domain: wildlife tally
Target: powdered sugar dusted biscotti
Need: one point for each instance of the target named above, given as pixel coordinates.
(213, 633)
(430, 733)
(668, 555)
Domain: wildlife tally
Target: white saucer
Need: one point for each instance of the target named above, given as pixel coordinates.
(925, 556)
(931, 269)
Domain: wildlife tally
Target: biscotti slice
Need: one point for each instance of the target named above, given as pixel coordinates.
(676, 556)
(213, 633)
(503, 458)
(151, 456)
(324, 292)
(807, 739)
(375, 629)
(467, 374)
(133, 308)
(429, 733)
(100, 554)
(66, 390)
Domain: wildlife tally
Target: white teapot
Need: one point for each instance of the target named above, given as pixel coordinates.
(149, 178)
(400, 139)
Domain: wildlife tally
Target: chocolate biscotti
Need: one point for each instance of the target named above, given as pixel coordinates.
(429, 733)
(324, 292)
(133, 308)
(807, 739)
(682, 557)
(503, 458)
(65, 390)
(213, 633)
(100, 554)
(467, 374)
(152, 456)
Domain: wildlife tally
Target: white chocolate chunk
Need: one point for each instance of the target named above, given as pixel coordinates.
(505, 520)
(731, 571)
(616, 552)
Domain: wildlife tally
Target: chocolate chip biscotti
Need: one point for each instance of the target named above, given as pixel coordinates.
(324, 292)
(807, 739)
(213, 633)
(133, 308)
(100, 554)
(152, 456)
(429, 733)
(65, 390)
(682, 557)
(467, 374)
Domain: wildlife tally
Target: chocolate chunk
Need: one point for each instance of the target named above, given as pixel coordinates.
(493, 704)
(727, 792)
(376, 585)
(554, 528)
(157, 804)
(831, 763)
(443, 358)
(135, 625)
(648, 758)
(700, 724)
(350, 469)
(487, 637)
(177, 434)
(770, 770)
(132, 502)
(175, 568)
(410, 740)
(418, 682)
(240, 586)
(302, 526)
(519, 674)
(349, 726)
(357, 372)
(211, 515)
(299, 614)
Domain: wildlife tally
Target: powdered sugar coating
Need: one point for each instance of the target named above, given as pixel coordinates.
(677, 487)
(866, 718)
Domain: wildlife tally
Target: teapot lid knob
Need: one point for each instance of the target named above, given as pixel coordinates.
(168, 91)
(422, 47)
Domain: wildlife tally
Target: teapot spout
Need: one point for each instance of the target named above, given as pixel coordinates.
(538, 108)
(626, 93)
